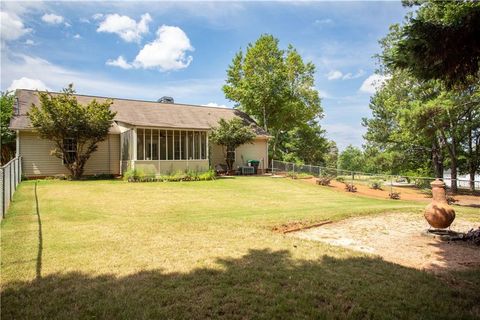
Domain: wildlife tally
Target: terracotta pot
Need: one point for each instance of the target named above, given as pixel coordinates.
(439, 213)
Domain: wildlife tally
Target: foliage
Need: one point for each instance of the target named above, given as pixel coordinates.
(394, 195)
(7, 138)
(324, 180)
(140, 175)
(376, 184)
(298, 175)
(303, 144)
(71, 126)
(230, 135)
(340, 179)
(440, 41)
(331, 156)
(351, 159)
(277, 88)
(350, 187)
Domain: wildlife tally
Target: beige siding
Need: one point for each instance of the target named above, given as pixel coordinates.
(258, 150)
(37, 161)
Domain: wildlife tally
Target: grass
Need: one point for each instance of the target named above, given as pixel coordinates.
(118, 250)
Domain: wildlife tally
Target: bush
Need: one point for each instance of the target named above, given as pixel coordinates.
(340, 179)
(139, 175)
(394, 195)
(376, 184)
(422, 183)
(350, 187)
(324, 181)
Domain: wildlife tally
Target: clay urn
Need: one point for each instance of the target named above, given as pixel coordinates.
(439, 213)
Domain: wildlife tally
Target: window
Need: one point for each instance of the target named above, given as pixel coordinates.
(178, 145)
(184, 147)
(70, 147)
(169, 145)
(140, 144)
(163, 145)
(231, 154)
(154, 144)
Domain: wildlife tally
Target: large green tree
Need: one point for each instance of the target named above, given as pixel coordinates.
(351, 159)
(440, 41)
(276, 87)
(7, 137)
(75, 129)
(231, 135)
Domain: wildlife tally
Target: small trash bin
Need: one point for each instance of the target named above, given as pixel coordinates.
(254, 164)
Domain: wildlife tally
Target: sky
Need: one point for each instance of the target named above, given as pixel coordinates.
(146, 50)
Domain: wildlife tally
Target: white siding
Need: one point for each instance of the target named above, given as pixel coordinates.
(258, 150)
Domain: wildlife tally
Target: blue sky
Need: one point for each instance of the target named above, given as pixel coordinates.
(145, 50)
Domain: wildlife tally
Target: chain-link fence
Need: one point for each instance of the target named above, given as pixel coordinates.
(10, 177)
(387, 181)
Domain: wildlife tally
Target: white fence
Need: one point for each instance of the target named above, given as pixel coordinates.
(282, 167)
(10, 177)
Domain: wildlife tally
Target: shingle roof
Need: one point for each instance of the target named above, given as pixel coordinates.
(144, 113)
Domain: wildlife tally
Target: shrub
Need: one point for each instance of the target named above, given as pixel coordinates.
(376, 184)
(340, 179)
(324, 181)
(350, 187)
(207, 175)
(422, 183)
(394, 195)
(451, 200)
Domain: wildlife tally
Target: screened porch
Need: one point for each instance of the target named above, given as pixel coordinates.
(164, 150)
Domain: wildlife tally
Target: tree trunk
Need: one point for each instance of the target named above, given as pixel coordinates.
(437, 159)
(453, 175)
(472, 178)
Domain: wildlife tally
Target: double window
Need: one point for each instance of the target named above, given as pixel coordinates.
(155, 144)
(70, 150)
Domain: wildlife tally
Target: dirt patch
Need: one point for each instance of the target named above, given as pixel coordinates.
(399, 238)
(406, 193)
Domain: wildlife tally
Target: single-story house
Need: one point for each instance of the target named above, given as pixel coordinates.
(160, 137)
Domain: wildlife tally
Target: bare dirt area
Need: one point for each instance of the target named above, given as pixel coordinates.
(399, 238)
(406, 193)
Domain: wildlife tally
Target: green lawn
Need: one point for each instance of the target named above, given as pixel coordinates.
(117, 250)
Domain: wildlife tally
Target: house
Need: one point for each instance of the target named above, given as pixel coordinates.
(160, 137)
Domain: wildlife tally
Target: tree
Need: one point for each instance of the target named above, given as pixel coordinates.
(305, 144)
(230, 135)
(273, 86)
(351, 159)
(75, 129)
(439, 42)
(7, 138)
(331, 156)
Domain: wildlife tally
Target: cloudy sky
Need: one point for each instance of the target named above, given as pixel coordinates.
(145, 50)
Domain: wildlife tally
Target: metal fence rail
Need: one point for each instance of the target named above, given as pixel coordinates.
(282, 167)
(10, 177)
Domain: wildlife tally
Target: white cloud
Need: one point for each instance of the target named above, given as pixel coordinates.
(166, 53)
(337, 74)
(119, 62)
(84, 20)
(77, 36)
(373, 83)
(334, 75)
(97, 16)
(52, 18)
(27, 83)
(215, 105)
(12, 26)
(67, 25)
(323, 21)
(29, 42)
(125, 27)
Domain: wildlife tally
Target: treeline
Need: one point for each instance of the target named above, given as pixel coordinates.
(426, 115)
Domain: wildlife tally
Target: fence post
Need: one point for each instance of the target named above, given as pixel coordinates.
(3, 193)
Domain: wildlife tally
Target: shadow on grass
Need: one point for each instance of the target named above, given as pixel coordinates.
(261, 284)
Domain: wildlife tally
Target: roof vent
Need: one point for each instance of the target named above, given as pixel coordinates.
(165, 99)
